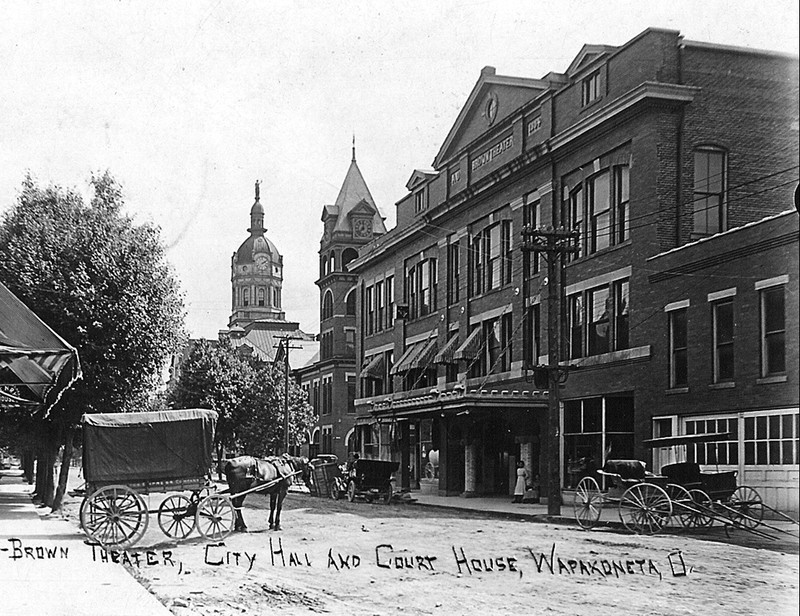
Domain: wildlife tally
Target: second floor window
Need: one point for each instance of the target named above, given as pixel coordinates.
(709, 207)
(453, 273)
(422, 287)
(533, 332)
(599, 212)
(390, 301)
(369, 301)
(678, 349)
(598, 320)
(380, 299)
(722, 316)
(773, 331)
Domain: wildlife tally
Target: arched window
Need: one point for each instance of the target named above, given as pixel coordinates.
(323, 265)
(261, 296)
(351, 303)
(246, 297)
(332, 262)
(327, 305)
(348, 255)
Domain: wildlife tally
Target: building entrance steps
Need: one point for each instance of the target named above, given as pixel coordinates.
(47, 568)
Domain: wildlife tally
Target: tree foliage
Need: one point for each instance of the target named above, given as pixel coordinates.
(101, 281)
(247, 393)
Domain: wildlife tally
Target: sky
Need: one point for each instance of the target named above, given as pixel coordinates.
(187, 104)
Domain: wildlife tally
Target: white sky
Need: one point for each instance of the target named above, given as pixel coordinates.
(188, 103)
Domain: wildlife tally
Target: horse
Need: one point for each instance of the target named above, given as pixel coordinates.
(246, 472)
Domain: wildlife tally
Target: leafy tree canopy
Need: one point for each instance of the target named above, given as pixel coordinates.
(101, 281)
(247, 394)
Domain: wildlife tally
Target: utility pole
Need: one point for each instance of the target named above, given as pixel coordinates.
(554, 243)
(283, 346)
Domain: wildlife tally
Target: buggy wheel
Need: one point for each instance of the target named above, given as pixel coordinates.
(645, 508)
(333, 490)
(387, 495)
(176, 516)
(114, 516)
(351, 491)
(588, 503)
(748, 506)
(682, 504)
(215, 517)
(702, 514)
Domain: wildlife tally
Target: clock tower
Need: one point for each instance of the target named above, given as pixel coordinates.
(256, 274)
(350, 223)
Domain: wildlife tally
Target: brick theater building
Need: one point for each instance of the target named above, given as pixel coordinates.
(676, 162)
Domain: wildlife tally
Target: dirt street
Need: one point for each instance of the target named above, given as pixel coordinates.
(362, 558)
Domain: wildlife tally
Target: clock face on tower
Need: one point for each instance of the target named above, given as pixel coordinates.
(262, 263)
(362, 228)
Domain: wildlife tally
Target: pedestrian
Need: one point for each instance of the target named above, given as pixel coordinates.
(522, 482)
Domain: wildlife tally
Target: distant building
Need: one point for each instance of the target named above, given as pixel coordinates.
(351, 222)
(675, 161)
(258, 322)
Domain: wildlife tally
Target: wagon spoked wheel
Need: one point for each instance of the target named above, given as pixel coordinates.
(645, 508)
(215, 517)
(588, 503)
(748, 506)
(682, 504)
(702, 506)
(176, 516)
(388, 493)
(114, 516)
(351, 491)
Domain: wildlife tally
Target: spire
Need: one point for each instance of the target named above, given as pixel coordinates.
(257, 213)
(354, 148)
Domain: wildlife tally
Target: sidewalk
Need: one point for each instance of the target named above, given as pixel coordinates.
(46, 568)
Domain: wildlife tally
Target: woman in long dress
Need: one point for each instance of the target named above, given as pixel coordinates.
(522, 482)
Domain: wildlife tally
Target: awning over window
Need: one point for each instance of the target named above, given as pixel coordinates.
(469, 350)
(34, 360)
(445, 355)
(403, 364)
(374, 368)
(424, 358)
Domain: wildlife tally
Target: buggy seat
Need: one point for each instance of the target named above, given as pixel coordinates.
(686, 474)
(629, 472)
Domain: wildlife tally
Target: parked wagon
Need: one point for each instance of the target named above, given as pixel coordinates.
(702, 498)
(370, 480)
(326, 476)
(639, 496)
(128, 455)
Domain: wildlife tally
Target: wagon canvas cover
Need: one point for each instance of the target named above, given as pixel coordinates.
(153, 446)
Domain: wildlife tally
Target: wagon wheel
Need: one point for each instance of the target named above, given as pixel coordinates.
(176, 516)
(588, 503)
(645, 508)
(682, 504)
(702, 510)
(114, 516)
(215, 517)
(748, 506)
(333, 489)
(351, 491)
(387, 496)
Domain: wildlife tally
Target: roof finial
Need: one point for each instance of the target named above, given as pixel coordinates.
(258, 191)
(354, 147)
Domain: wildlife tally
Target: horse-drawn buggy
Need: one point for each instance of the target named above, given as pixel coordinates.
(368, 479)
(682, 494)
(130, 455)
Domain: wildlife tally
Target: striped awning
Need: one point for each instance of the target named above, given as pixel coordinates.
(404, 363)
(374, 368)
(424, 358)
(471, 347)
(445, 355)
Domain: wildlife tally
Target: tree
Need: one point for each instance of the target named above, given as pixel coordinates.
(246, 392)
(102, 282)
(213, 376)
(260, 415)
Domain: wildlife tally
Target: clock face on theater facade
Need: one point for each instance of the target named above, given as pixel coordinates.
(362, 228)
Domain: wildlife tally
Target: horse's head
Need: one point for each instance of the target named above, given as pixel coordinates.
(305, 467)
